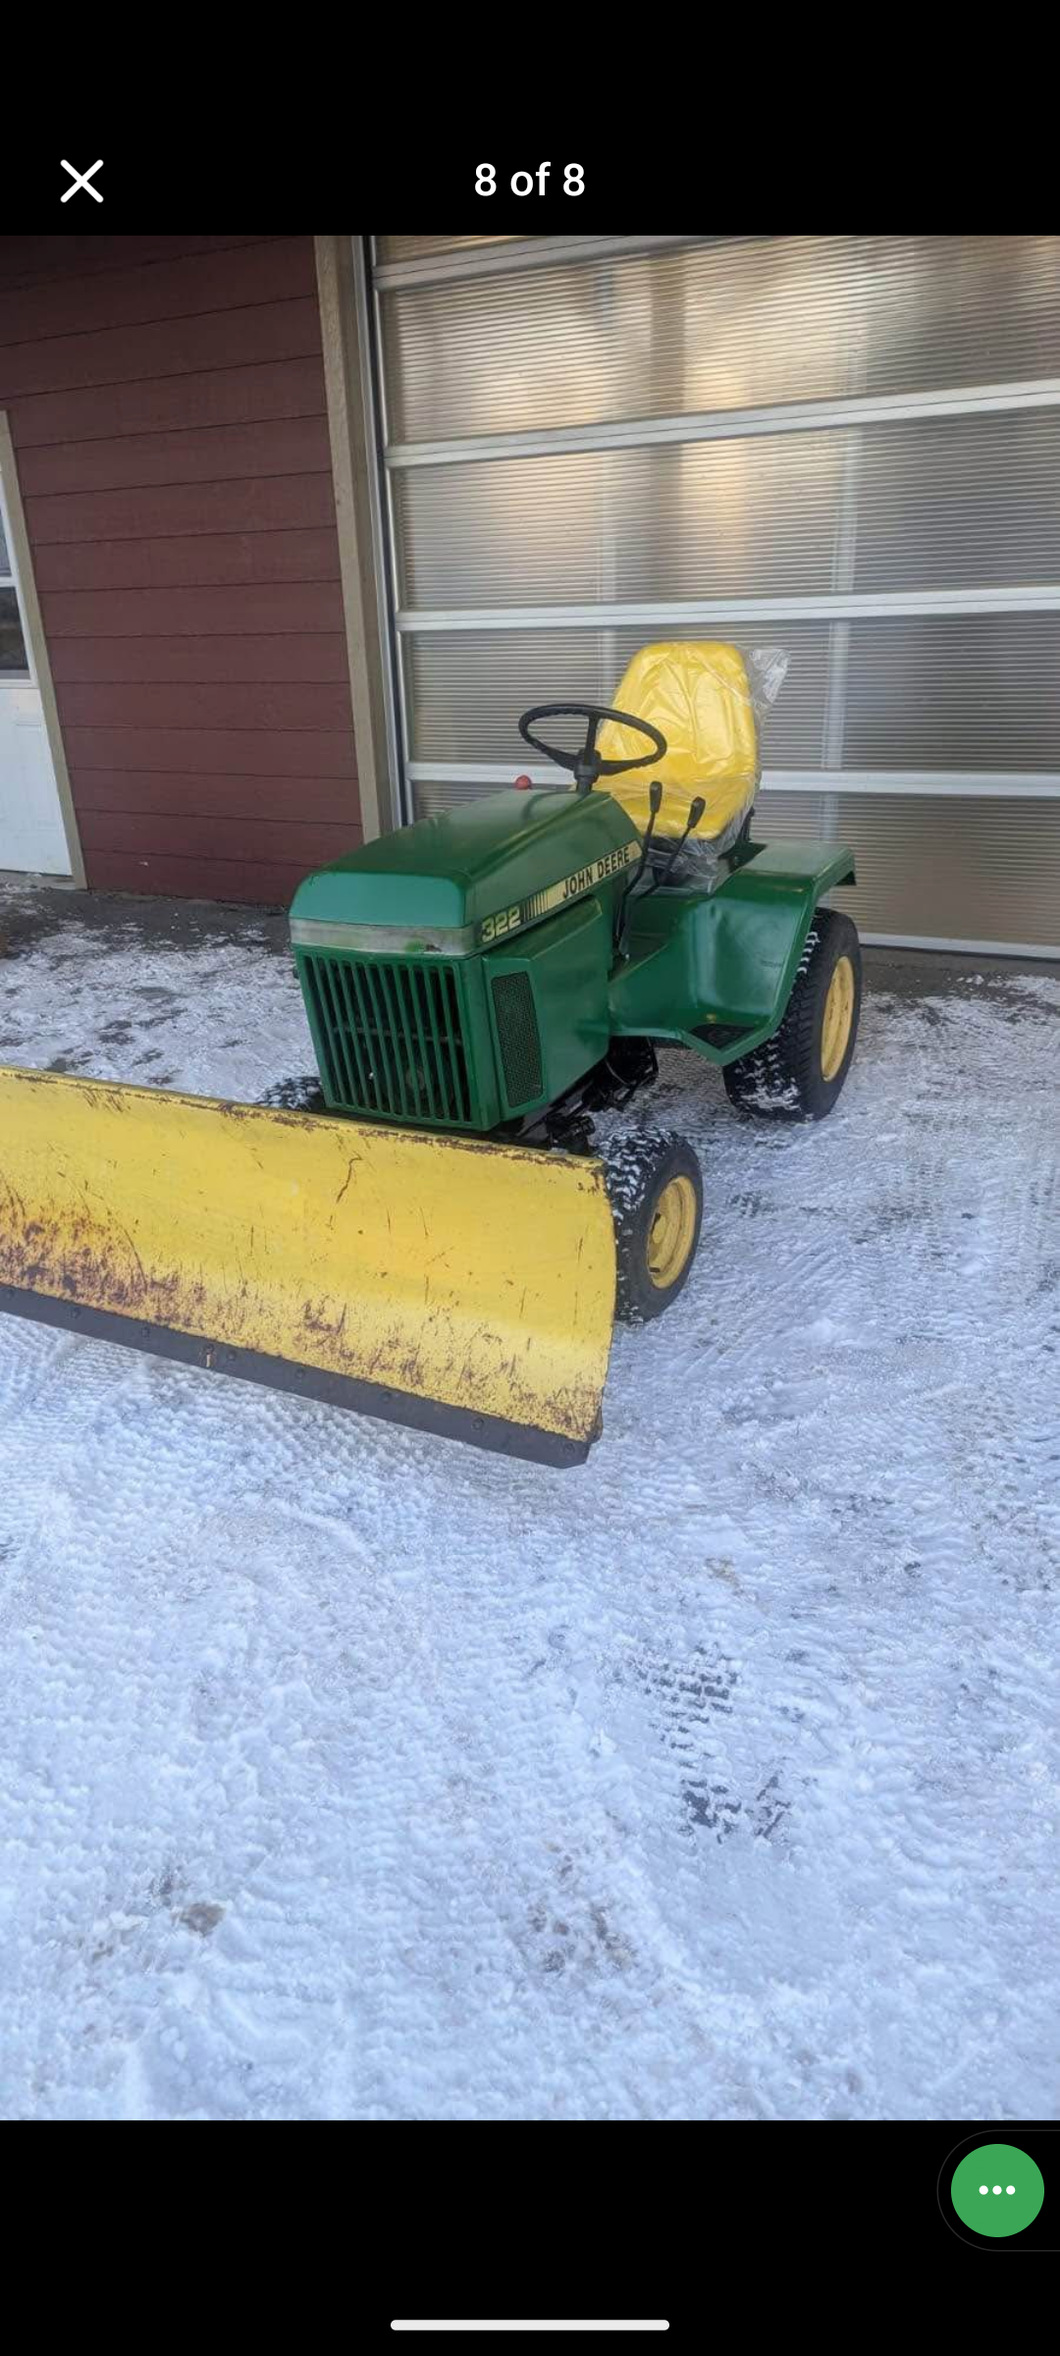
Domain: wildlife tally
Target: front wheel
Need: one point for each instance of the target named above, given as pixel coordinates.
(656, 1190)
(798, 1073)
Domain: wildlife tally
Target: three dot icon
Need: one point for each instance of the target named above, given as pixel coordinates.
(997, 2190)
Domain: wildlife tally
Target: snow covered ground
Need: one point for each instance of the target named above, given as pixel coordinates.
(349, 1773)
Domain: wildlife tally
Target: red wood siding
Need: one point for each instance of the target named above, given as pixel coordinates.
(166, 400)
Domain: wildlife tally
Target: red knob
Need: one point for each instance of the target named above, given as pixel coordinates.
(523, 783)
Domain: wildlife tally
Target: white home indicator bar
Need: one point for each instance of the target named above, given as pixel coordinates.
(580, 2326)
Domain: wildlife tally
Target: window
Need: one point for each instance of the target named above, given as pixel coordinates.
(13, 661)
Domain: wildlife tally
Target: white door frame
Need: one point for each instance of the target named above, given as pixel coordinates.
(35, 644)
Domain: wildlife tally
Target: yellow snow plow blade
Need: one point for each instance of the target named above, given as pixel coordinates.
(464, 1288)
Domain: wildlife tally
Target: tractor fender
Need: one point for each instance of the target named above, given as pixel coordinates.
(766, 908)
(715, 971)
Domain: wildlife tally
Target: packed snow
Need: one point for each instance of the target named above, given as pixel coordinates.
(350, 1773)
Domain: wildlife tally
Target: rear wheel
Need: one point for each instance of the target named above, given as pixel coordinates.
(799, 1072)
(656, 1190)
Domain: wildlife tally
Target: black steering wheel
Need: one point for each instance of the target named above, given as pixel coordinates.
(586, 766)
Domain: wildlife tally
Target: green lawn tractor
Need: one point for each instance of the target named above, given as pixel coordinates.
(509, 969)
(440, 1241)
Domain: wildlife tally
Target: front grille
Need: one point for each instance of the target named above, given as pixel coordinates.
(392, 1037)
(520, 1043)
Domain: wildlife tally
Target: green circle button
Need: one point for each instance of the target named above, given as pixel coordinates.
(997, 2190)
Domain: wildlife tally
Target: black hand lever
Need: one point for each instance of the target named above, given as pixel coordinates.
(655, 795)
(663, 873)
(694, 816)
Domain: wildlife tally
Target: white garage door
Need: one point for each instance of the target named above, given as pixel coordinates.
(848, 446)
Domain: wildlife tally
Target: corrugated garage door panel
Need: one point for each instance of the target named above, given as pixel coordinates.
(407, 249)
(961, 508)
(708, 519)
(959, 502)
(466, 691)
(929, 869)
(717, 326)
(950, 504)
(577, 342)
(943, 312)
(981, 692)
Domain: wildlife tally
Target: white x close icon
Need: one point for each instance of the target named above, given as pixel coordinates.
(81, 180)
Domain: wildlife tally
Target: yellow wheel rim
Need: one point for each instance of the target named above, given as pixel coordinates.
(838, 1019)
(672, 1232)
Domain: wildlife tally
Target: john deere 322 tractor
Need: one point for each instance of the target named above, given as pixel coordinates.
(442, 1243)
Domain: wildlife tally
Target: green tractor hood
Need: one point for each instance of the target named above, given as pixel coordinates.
(444, 882)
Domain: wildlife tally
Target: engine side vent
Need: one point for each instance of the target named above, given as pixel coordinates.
(520, 1040)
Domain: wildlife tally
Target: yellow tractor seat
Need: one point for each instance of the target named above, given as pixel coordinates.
(698, 695)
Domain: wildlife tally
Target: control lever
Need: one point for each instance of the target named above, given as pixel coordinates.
(663, 875)
(655, 795)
